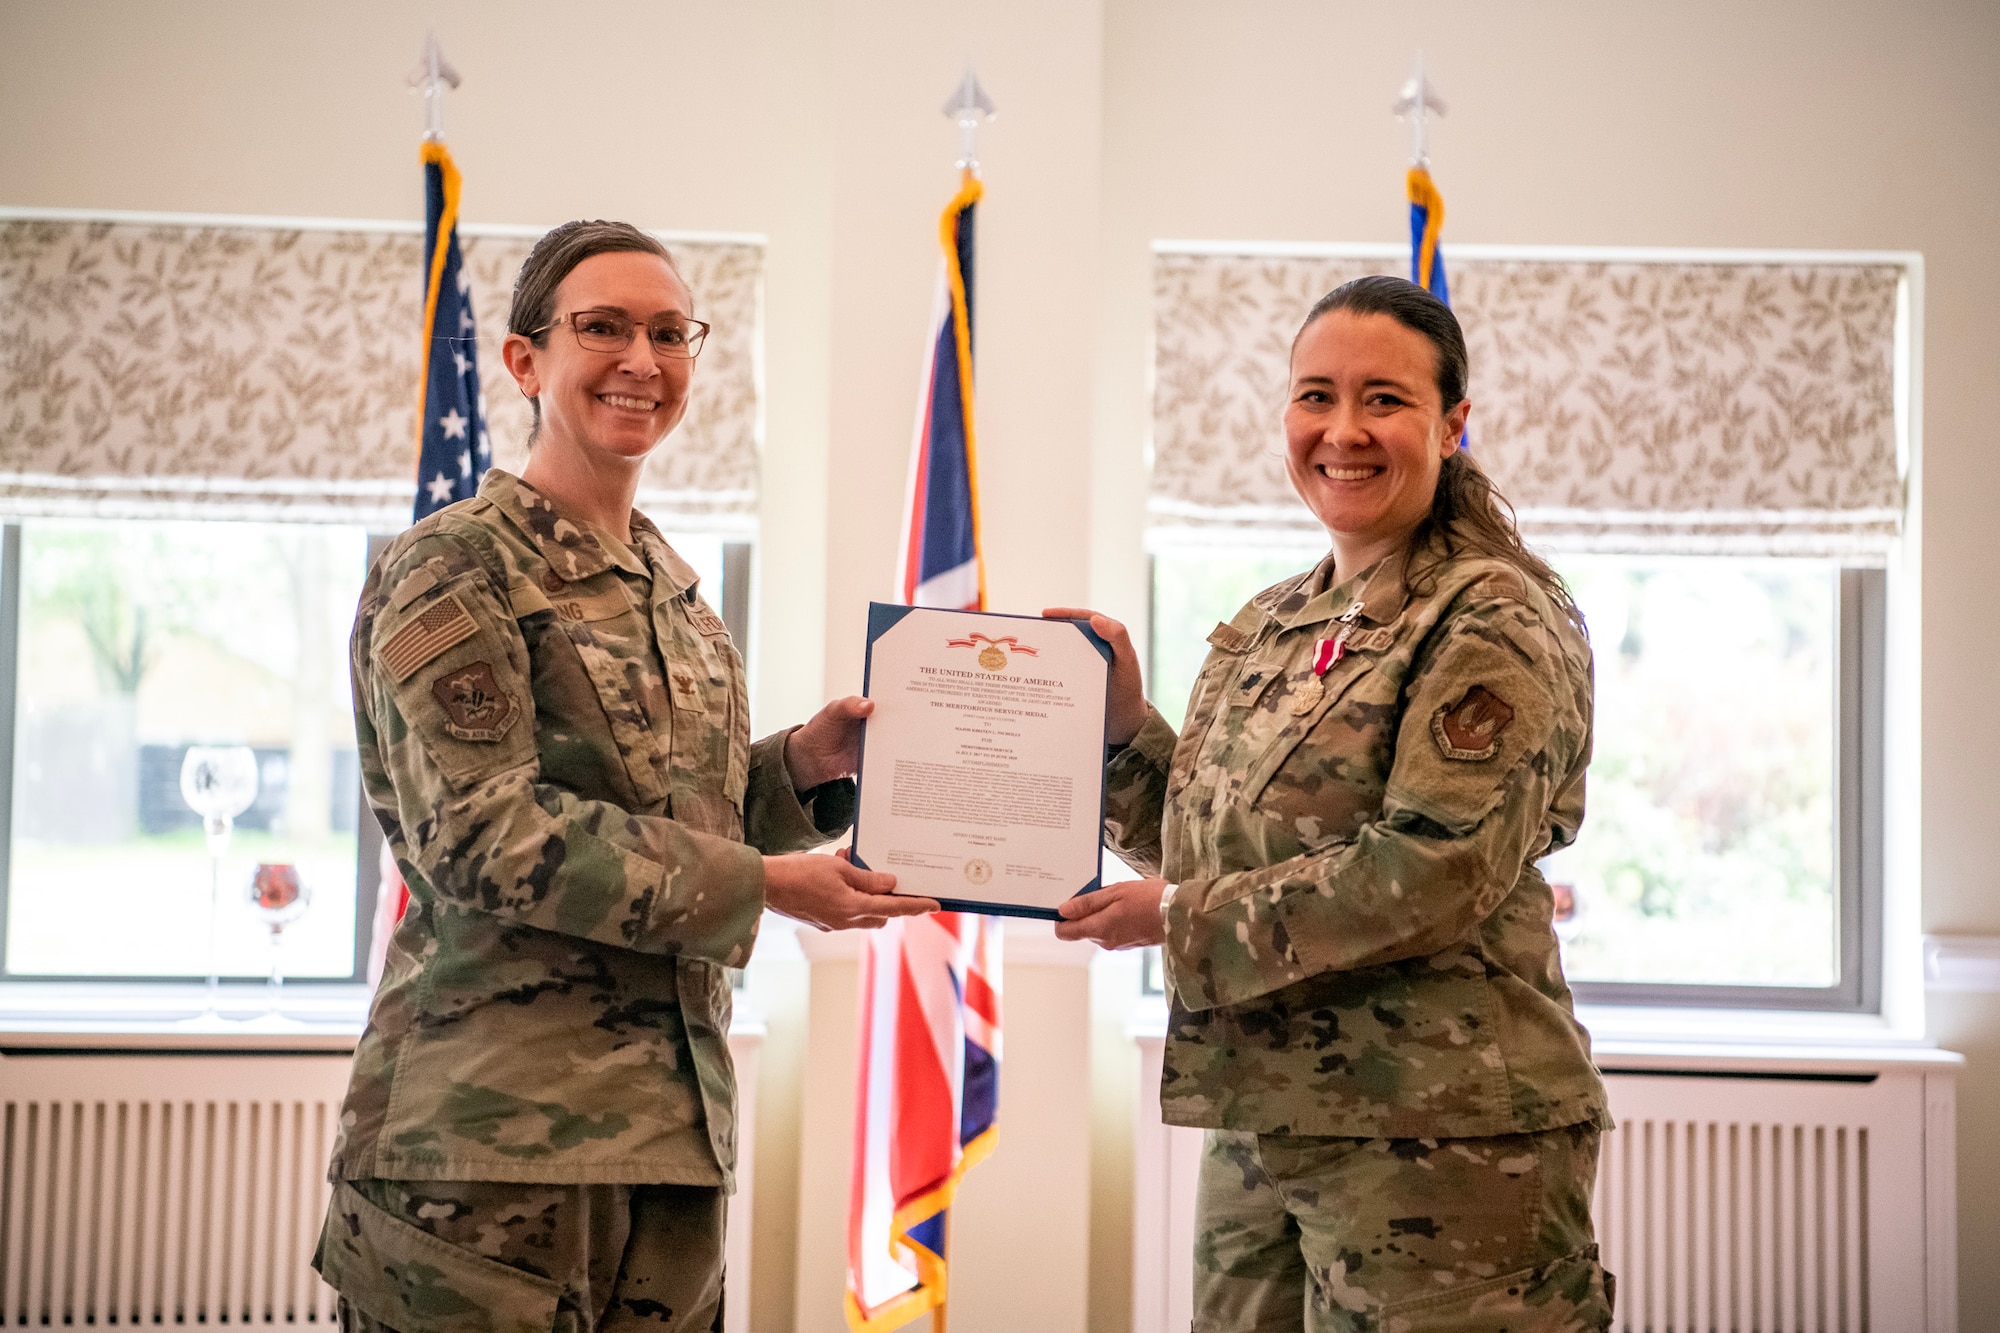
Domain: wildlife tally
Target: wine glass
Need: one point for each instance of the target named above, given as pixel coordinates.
(218, 782)
(280, 896)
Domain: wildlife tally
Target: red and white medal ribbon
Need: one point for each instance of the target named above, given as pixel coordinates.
(1326, 652)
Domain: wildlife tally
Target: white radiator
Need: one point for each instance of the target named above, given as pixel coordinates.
(163, 1188)
(1802, 1196)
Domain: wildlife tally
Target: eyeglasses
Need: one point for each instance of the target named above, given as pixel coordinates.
(611, 331)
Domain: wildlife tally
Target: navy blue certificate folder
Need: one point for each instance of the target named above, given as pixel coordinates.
(982, 768)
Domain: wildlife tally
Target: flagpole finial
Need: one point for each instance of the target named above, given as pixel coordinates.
(1418, 101)
(431, 77)
(970, 107)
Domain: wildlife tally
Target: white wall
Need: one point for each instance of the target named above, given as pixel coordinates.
(1794, 123)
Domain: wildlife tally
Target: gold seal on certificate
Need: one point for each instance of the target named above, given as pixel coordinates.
(982, 768)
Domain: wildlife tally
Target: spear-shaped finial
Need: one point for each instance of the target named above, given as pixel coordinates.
(431, 77)
(971, 108)
(1419, 99)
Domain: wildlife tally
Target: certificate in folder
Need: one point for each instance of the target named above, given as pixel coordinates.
(982, 766)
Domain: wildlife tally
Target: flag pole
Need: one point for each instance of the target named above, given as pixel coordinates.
(970, 108)
(432, 75)
(1418, 99)
(938, 1312)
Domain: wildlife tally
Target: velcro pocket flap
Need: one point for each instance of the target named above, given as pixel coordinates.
(1325, 693)
(407, 1279)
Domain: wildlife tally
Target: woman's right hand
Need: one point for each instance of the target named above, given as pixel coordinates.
(1126, 712)
(832, 893)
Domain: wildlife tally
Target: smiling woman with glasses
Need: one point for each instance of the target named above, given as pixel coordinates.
(553, 732)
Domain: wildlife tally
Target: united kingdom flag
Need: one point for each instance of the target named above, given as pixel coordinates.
(452, 448)
(928, 1097)
(929, 1079)
(941, 561)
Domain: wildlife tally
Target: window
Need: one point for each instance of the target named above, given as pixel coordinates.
(1730, 852)
(1713, 448)
(134, 641)
(191, 486)
(138, 640)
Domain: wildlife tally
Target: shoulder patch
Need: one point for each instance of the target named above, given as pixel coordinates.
(475, 707)
(436, 628)
(1470, 729)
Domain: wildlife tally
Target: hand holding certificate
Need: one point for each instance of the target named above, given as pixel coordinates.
(982, 768)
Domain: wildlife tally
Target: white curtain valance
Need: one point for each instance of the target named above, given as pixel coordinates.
(1679, 405)
(181, 368)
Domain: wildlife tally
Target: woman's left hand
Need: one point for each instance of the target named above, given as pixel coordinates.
(1117, 916)
(829, 746)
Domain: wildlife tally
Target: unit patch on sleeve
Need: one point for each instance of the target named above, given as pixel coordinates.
(1470, 729)
(436, 628)
(475, 707)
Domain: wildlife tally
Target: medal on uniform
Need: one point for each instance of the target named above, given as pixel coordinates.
(1326, 652)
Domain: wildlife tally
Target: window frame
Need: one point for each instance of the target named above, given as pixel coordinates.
(1860, 706)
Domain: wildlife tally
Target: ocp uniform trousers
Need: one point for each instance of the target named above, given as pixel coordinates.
(1338, 1235)
(428, 1256)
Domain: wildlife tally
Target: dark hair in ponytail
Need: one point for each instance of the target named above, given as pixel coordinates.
(1468, 514)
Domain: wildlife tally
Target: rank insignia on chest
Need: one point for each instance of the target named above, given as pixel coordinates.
(686, 693)
(476, 708)
(1470, 729)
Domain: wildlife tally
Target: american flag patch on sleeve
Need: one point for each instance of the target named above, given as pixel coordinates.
(439, 626)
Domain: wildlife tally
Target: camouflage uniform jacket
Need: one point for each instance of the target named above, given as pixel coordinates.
(1360, 944)
(554, 737)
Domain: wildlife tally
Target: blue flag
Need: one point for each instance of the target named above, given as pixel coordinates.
(1426, 226)
(1426, 257)
(452, 448)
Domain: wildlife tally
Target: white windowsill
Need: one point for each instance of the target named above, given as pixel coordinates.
(1633, 1038)
(168, 1016)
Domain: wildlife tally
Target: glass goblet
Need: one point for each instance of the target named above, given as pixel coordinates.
(218, 782)
(279, 895)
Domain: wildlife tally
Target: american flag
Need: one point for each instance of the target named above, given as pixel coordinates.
(929, 1077)
(452, 448)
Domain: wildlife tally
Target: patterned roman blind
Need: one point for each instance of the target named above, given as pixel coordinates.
(1673, 406)
(166, 368)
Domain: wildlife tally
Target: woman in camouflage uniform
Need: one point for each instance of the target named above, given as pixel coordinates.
(1368, 1012)
(540, 1129)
